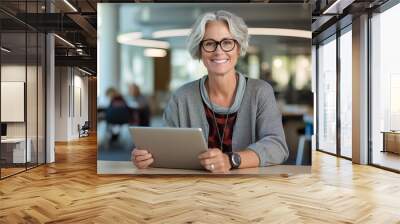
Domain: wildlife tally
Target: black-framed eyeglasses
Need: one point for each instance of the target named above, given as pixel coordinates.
(211, 45)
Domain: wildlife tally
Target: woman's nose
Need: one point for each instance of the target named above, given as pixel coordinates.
(219, 49)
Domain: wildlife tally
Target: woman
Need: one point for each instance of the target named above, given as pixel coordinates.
(238, 115)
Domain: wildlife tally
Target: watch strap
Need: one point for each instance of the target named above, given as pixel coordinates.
(231, 156)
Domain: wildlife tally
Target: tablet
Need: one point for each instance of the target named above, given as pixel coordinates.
(176, 148)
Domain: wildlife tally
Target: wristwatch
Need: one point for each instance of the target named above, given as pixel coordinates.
(234, 159)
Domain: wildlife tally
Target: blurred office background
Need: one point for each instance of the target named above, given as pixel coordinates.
(49, 73)
(142, 59)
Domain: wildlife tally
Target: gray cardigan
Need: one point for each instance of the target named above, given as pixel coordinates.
(258, 124)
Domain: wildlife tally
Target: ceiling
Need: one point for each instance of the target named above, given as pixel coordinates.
(79, 27)
(255, 14)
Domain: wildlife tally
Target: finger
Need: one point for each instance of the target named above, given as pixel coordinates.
(203, 164)
(206, 162)
(211, 164)
(203, 155)
(220, 168)
(210, 153)
(140, 152)
(145, 164)
(134, 161)
(213, 160)
(220, 165)
(215, 152)
(148, 162)
(144, 157)
(133, 153)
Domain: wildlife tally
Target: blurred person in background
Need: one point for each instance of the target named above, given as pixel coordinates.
(140, 105)
(117, 113)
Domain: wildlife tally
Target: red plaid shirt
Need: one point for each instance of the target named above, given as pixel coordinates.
(213, 139)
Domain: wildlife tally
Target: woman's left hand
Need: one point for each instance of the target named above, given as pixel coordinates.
(215, 161)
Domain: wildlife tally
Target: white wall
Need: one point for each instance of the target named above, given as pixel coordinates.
(80, 100)
(17, 73)
(14, 73)
(61, 103)
(71, 94)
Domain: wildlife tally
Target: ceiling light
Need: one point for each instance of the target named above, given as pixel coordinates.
(155, 53)
(5, 50)
(70, 5)
(84, 71)
(171, 33)
(333, 6)
(277, 63)
(252, 31)
(338, 6)
(281, 32)
(126, 37)
(147, 43)
(65, 41)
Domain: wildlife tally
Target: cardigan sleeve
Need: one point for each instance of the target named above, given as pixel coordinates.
(270, 144)
(170, 116)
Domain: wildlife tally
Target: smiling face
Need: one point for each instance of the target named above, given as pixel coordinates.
(219, 62)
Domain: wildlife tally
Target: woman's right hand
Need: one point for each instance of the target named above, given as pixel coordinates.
(141, 158)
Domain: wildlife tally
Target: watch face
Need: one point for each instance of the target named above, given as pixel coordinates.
(236, 160)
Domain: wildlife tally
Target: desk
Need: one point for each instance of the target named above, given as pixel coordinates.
(16, 147)
(391, 141)
(126, 167)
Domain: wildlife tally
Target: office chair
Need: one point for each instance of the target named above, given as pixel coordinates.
(303, 156)
(116, 117)
(84, 130)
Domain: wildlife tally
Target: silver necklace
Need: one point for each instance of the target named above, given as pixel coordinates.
(216, 124)
(221, 139)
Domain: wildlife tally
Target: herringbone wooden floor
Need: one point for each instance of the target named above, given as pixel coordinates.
(70, 191)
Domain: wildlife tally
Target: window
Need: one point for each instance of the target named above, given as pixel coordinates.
(23, 76)
(346, 94)
(184, 68)
(327, 96)
(385, 89)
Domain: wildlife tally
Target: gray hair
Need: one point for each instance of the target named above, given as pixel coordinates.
(236, 26)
